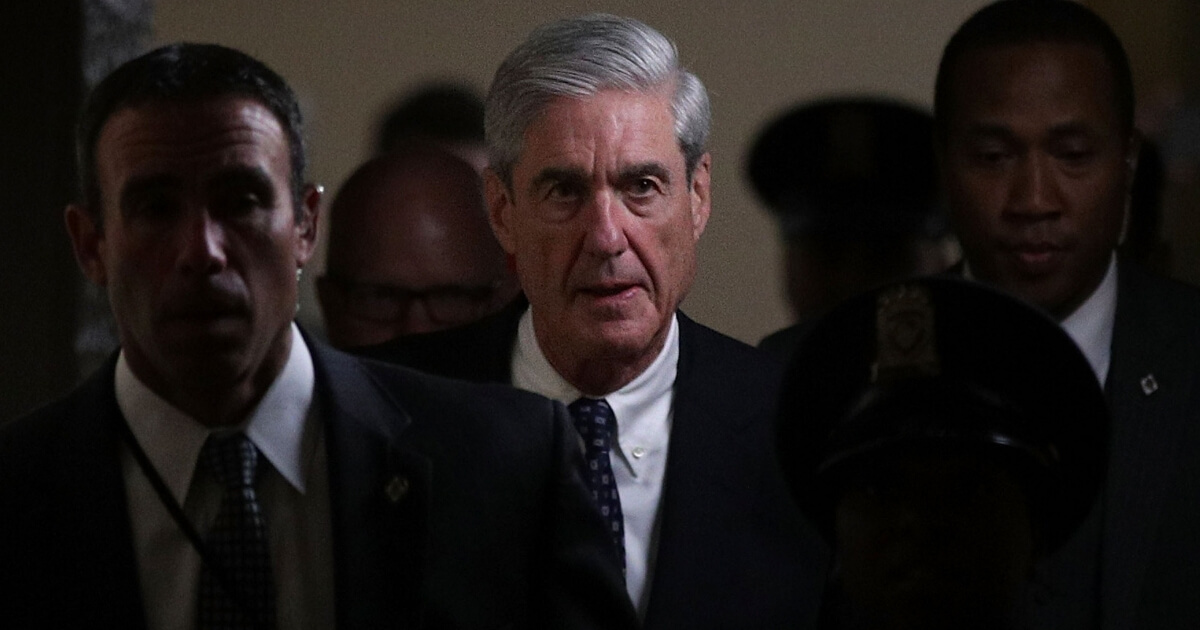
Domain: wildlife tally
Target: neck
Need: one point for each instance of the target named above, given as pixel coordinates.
(220, 406)
(602, 371)
(215, 394)
(600, 377)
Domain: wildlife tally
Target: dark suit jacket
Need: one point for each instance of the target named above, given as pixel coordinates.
(1150, 555)
(733, 551)
(496, 529)
(1135, 562)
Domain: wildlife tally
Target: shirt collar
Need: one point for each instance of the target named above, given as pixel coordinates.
(532, 371)
(1090, 325)
(172, 440)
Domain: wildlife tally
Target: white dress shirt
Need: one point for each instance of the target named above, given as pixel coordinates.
(643, 410)
(294, 491)
(1090, 325)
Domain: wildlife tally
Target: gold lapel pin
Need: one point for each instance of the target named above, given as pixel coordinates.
(396, 489)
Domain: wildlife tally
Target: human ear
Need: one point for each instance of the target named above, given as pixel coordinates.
(87, 241)
(306, 223)
(701, 195)
(500, 208)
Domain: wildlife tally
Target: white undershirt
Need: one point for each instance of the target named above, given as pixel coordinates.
(643, 410)
(294, 491)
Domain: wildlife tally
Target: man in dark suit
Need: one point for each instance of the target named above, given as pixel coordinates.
(598, 189)
(1034, 127)
(224, 470)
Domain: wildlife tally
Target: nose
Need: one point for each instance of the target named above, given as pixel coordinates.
(202, 242)
(1034, 189)
(603, 224)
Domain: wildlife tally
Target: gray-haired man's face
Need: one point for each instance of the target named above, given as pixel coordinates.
(602, 220)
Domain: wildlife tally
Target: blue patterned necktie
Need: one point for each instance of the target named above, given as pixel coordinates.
(597, 426)
(237, 543)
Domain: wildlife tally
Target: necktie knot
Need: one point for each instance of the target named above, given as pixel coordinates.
(232, 459)
(595, 422)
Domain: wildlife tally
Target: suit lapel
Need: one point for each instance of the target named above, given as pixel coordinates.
(96, 538)
(1149, 394)
(701, 427)
(379, 492)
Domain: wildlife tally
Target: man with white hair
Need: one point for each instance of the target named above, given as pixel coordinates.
(599, 189)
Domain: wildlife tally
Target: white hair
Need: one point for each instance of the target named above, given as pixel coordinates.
(579, 57)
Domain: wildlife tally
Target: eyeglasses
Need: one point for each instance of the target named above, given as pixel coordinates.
(385, 303)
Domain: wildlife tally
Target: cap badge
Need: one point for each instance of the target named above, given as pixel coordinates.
(904, 327)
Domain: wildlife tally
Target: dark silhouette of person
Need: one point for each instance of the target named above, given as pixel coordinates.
(445, 114)
(946, 438)
(852, 183)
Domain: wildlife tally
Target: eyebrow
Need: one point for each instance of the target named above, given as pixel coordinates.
(242, 175)
(553, 174)
(137, 186)
(646, 169)
(232, 176)
(576, 175)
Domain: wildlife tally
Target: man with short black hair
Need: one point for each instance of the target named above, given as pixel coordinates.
(226, 471)
(1034, 125)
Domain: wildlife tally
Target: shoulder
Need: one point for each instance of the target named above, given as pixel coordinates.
(1149, 304)
(712, 362)
(40, 430)
(417, 389)
(783, 343)
(43, 452)
(441, 408)
(701, 342)
(1137, 287)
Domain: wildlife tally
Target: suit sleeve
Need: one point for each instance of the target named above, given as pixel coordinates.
(581, 584)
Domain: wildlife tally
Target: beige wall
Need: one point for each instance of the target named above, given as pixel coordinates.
(348, 60)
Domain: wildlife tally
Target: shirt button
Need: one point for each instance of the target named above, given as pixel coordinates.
(638, 452)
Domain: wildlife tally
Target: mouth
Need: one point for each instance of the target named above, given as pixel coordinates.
(206, 309)
(610, 291)
(610, 299)
(1036, 258)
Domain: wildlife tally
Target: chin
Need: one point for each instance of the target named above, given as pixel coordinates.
(626, 340)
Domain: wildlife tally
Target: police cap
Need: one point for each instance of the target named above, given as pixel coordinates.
(856, 168)
(946, 364)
